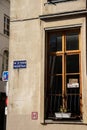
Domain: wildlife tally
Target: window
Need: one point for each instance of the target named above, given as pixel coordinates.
(63, 89)
(6, 25)
(5, 61)
(59, 0)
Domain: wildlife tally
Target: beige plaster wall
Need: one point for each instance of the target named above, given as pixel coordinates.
(26, 86)
(19, 122)
(25, 9)
(24, 83)
(63, 7)
(4, 40)
(32, 9)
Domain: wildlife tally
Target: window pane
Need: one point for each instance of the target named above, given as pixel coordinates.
(73, 94)
(72, 63)
(63, 75)
(6, 25)
(4, 19)
(55, 64)
(7, 21)
(55, 84)
(59, 43)
(73, 105)
(53, 105)
(55, 43)
(72, 42)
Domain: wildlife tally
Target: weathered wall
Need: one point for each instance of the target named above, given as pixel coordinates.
(21, 9)
(22, 81)
(4, 40)
(26, 86)
(63, 7)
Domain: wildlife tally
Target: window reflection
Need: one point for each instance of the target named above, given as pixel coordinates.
(72, 63)
(55, 65)
(55, 84)
(72, 42)
(55, 43)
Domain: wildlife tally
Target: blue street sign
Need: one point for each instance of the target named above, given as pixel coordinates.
(5, 76)
(19, 64)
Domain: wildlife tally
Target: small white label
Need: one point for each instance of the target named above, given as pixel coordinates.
(73, 85)
(5, 110)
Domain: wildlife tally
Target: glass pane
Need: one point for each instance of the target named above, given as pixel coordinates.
(59, 43)
(4, 19)
(53, 105)
(72, 63)
(72, 42)
(7, 21)
(55, 65)
(73, 105)
(54, 100)
(73, 94)
(55, 83)
(55, 43)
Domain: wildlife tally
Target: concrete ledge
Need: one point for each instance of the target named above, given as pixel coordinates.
(65, 14)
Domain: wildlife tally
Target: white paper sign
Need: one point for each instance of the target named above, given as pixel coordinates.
(73, 85)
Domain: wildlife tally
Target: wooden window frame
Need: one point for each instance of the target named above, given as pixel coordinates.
(61, 53)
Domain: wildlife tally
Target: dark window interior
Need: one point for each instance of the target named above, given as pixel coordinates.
(6, 25)
(63, 87)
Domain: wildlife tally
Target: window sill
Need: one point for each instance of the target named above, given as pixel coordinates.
(76, 122)
(60, 1)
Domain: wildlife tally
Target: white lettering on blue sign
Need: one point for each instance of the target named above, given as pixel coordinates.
(19, 64)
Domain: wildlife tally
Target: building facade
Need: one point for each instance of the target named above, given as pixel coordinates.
(4, 52)
(4, 39)
(48, 65)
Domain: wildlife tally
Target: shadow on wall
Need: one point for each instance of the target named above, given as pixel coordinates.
(2, 111)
